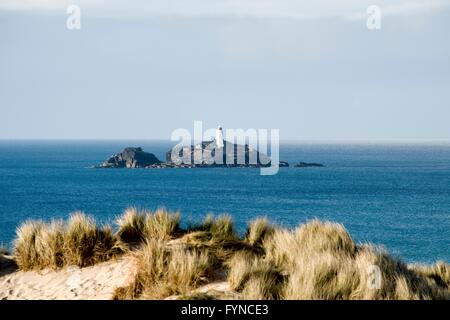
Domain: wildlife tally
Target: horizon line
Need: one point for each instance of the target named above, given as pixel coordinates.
(293, 141)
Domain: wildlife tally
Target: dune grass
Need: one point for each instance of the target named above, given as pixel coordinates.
(80, 242)
(49, 244)
(131, 225)
(438, 273)
(162, 225)
(84, 243)
(254, 276)
(319, 260)
(137, 226)
(214, 229)
(258, 230)
(220, 227)
(164, 271)
(27, 245)
(316, 260)
(217, 236)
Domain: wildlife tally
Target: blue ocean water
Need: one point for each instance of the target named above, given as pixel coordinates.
(394, 195)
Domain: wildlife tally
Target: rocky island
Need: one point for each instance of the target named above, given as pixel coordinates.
(135, 157)
(308, 165)
(225, 155)
(214, 153)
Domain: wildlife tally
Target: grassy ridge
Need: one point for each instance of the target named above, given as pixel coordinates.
(79, 242)
(316, 260)
(319, 260)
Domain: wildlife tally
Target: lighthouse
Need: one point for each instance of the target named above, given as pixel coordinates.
(219, 137)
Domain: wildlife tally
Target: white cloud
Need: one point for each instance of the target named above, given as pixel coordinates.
(299, 9)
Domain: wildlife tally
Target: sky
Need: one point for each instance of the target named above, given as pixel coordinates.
(141, 69)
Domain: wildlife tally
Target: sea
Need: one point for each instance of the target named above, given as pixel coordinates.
(395, 195)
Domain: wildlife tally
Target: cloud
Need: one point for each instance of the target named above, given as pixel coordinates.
(297, 9)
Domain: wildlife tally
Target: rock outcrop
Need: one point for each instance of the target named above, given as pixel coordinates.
(306, 165)
(131, 158)
(230, 155)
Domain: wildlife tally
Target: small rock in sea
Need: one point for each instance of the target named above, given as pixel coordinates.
(306, 165)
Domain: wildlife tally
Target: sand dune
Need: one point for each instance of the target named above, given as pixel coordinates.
(317, 260)
(91, 283)
(96, 282)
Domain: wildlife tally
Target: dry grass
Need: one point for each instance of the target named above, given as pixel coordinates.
(220, 227)
(315, 237)
(281, 247)
(162, 225)
(81, 242)
(50, 245)
(439, 273)
(240, 266)
(317, 260)
(86, 244)
(254, 276)
(217, 236)
(263, 285)
(131, 225)
(40, 245)
(258, 230)
(137, 226)
(163, 272)
(318, 237)
(26, 245)
(397, 282)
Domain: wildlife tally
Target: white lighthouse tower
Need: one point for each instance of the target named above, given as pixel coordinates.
(219, 137)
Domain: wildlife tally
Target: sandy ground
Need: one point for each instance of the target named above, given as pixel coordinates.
(96, 282)
(91, 283)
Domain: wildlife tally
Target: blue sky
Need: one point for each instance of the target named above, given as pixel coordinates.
(140, 69)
